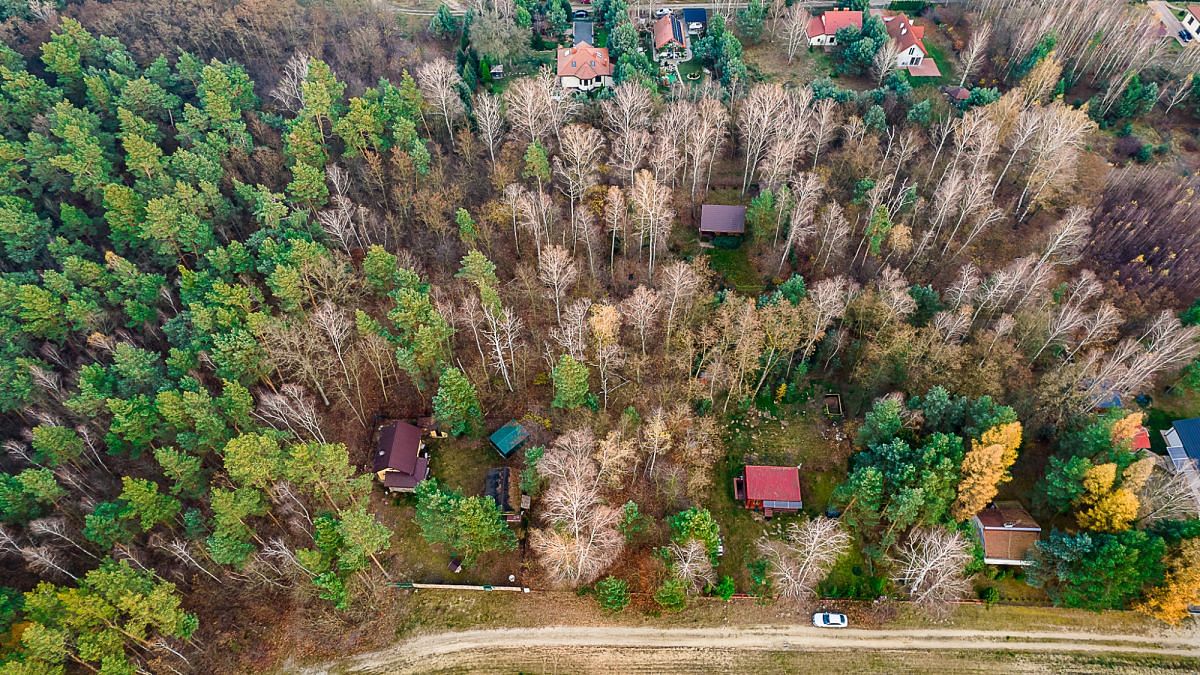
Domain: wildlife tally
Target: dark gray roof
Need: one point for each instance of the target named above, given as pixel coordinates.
(720, 219)
(583, 32)
(1189, 436)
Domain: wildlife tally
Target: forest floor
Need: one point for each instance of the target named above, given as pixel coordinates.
(592, 648)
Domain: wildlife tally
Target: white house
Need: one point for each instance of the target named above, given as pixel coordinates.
(822, 30)
(584, 67)
(1191, 19)
(909, 39)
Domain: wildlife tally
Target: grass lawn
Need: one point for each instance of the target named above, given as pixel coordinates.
(937, 52)
(735, 269)
(795, 437)
(460, 464)
(770, 61)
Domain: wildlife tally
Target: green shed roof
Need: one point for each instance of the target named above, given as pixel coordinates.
(509, 437)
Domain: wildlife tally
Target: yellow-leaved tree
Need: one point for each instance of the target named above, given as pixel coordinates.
(1105, 507)
(1181, 587)
(985, 468)
(1124, 429)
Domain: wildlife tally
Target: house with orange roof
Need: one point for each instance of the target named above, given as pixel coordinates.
(909, 40)
(584, 67)
(822, 30)
(670, 38)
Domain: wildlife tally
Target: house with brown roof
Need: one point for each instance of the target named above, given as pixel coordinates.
(822, 30)
(721, 220)
(1008, 533)
(584, 67)
(769, 489)
(400, 462)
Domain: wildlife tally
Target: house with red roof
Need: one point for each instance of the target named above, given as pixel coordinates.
(670, 38)
(822, 30)
(770, 489)
(583, 67)
(909, 40)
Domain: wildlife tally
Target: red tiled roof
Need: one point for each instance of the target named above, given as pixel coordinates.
(1194, 10)
(667, 31)
(1141, 440)
(584, 61)
(773, 483)
(905, 33)
(837, 19)
(815, 27)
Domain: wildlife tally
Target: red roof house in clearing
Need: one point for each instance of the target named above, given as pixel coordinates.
(398, 463)
(828, 24)
(770, 489)
(584, 62)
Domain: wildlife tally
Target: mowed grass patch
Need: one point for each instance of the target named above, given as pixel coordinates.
(791, 438)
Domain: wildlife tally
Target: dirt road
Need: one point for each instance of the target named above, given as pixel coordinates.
(697, 646)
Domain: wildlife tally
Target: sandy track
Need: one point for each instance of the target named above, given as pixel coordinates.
(450, 650)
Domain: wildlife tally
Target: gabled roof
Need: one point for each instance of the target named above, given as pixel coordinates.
(904, 33)
(1007, 516)
(584, 61)
(500, 486)
(721, 219)
(1008, 532)
(509, 437)
(1194, 10)
(1189, 436)
(773, 483)
(399, 443)
(396, 480)
(834, 20)
(668, 30)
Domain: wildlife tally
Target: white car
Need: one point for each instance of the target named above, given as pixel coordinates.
(829, 620)
(661, 12)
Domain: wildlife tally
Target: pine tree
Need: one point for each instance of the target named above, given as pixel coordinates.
(456, 405)
(570, 383)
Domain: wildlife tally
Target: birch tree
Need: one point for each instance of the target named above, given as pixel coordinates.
(930, 566)
(758, 120)
(439, 82)
(489, 118)
(805, 555)
(556, 269)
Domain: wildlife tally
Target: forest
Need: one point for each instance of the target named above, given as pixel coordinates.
(238, 236)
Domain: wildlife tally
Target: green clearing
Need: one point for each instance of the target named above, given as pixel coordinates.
(944, 63)
(791, 438)
(735, 269)
(462, 464)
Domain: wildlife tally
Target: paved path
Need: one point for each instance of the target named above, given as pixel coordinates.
(445, 650)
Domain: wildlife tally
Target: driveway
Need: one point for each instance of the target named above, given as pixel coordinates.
(583, 32)
(1166, 14)
(451, 651)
